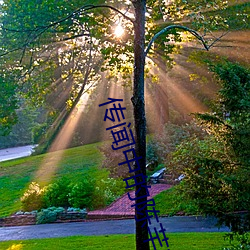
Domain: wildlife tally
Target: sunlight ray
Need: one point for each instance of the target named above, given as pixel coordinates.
(170, 93)
(114, 90)
(51, 161)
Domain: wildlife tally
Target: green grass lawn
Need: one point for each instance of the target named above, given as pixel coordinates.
(169, 202)
(16, 175)
(177, 241)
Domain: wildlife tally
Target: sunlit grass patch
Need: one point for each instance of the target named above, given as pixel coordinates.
(177, 241)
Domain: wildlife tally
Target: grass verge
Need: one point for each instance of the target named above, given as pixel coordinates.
(177, 241)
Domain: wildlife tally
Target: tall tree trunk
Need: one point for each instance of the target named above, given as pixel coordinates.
(139, 116)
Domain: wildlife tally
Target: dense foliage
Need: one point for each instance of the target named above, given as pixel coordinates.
(56, 194)
(217, 168)
(8, 105)
(56, 49)
(90, 194)
(161, 144)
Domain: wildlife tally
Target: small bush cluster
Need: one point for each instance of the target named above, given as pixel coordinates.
(76, 210)
(48, 215)
(107, 190)
(33, 197)
(81, 194)
(51, 214)
(57, 193)
(63, 193)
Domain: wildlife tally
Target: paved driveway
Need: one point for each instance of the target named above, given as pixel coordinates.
(171, 224)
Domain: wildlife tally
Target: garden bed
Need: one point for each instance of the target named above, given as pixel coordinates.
(30, 219)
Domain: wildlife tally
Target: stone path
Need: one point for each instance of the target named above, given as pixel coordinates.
(121, 208)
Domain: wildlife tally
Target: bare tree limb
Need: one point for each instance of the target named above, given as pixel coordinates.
(112, 8)
(25, 45)
(218, 38)
(193, 32)
(64, 39)
(83, 9)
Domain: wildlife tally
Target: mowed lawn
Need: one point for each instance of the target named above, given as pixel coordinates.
(16, 175)
(177, 241)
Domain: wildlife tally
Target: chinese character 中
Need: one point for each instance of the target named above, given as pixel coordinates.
(128, 162)
(139, 179)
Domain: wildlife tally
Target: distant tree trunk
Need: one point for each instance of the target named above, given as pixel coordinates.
(139, 115)
(162, 99)
(65, 114)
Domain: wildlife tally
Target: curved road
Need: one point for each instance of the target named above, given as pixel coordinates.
(17, 152)
(171, 224)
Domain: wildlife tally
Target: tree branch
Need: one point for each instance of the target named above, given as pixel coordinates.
(218, 38)
(74, 13)
(193, 32)
(87, 8)
(112, 8)
(71, 37)
(25, 45)
(42, 29)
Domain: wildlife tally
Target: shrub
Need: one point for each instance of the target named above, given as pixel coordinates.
(63, 193)
(216, 168)
(111, 160)
(33, 197)
(81, 194)
(48, 215)
(38, 131)
(73, 209)
(162, 144)
(107, 191)
(243, 241)
(170, 202)
(57, 193)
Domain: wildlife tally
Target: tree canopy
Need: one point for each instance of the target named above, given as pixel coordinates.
(50, 43)
(58, 46)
